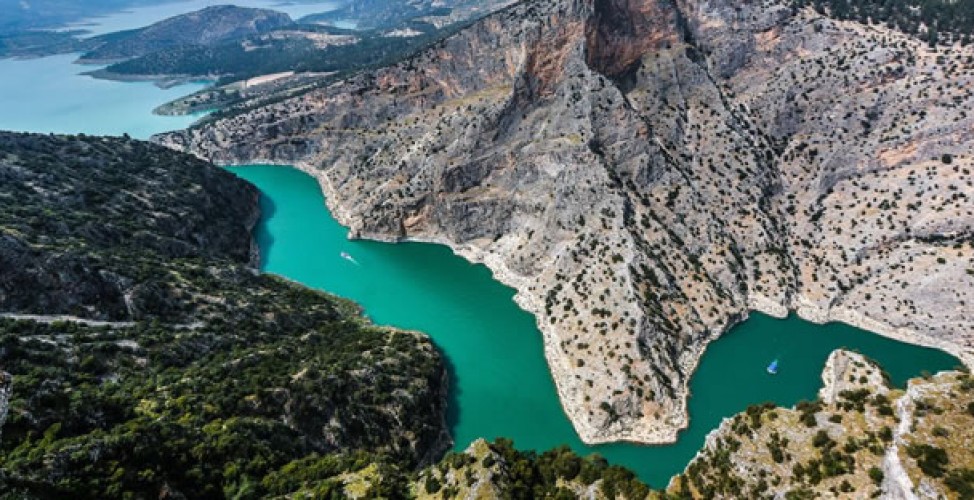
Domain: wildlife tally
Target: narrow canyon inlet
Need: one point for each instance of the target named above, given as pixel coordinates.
(501, 386)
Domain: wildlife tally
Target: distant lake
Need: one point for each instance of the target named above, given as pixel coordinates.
(50, 95)
(501, 384)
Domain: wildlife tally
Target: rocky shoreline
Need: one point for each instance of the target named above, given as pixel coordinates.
(162, 81)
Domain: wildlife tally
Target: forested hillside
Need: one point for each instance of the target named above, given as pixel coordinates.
(936, 21)
(203, 28)
(181, 370)
(300, 49)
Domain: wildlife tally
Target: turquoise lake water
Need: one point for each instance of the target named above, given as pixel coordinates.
(501, 385)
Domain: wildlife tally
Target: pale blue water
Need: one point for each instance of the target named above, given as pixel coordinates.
(345, 24)
(50, 95)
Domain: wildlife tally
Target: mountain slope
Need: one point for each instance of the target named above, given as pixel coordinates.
(206, 27)
(384, 14)
(646, 172)
(142, 356)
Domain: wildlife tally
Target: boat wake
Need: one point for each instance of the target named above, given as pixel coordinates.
(346, 256)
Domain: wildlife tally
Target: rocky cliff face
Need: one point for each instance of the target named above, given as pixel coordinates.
(647, 172)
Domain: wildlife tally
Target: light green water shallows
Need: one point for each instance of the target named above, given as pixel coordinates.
(501, 385)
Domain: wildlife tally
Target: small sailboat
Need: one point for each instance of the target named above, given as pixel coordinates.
(773, 367)
(348, 257)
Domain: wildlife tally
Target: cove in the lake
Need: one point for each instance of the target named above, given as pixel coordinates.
(501, 385)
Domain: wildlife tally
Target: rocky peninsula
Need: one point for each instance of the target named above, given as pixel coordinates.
(861, 439)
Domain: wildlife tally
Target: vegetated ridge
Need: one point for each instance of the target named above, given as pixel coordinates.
(206, 27)
(142, 354)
